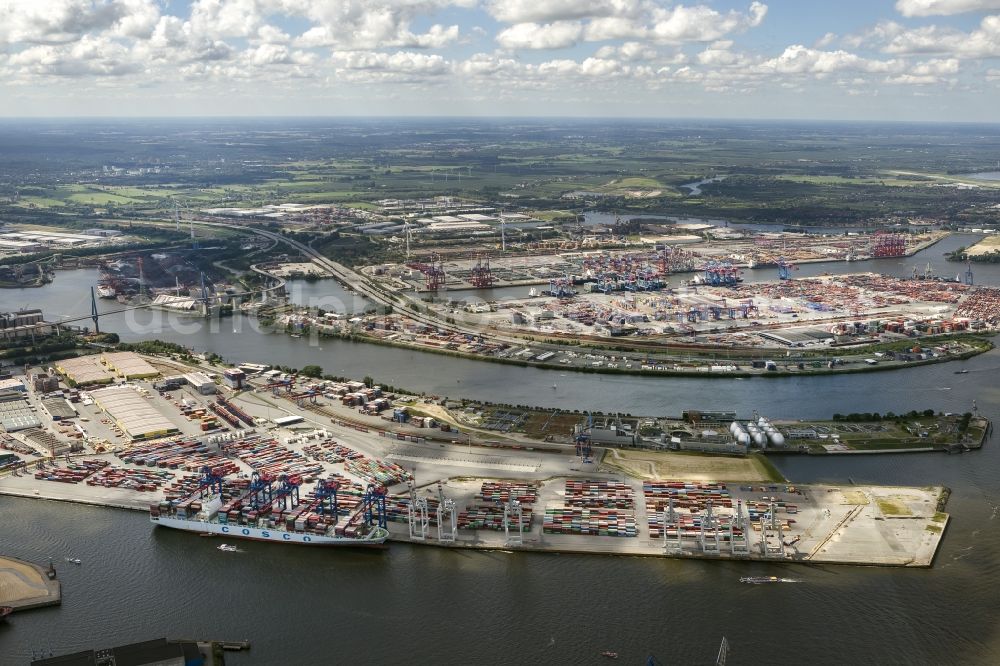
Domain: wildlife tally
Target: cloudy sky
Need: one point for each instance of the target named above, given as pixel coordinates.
(824, 59)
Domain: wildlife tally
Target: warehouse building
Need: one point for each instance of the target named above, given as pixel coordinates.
(12, 384)
(15, 412)
(200, 382)
(129, 365)
(136, 417)
(84, 370)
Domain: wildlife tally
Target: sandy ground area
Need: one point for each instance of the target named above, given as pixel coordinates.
(685, 467)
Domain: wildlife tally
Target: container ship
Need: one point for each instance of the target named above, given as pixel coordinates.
(267, 508)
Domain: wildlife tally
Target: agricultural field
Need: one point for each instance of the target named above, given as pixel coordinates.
(802, 174)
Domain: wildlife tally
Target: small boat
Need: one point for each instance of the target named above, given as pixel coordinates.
(296, 335)
(554, 387)
(229, 548)
(961, 372)
(758, 580)
(4, 612)
(74, 560)
(206, 534)
(609, 654)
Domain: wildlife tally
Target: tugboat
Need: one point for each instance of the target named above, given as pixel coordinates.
(609, 654)
(74, 560)
(229, 548)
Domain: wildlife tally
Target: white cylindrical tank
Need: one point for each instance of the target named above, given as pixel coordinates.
(735, 428)
(761, 421)
(776, 438)
(743, 439)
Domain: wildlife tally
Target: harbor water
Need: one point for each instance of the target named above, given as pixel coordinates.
(415, 604)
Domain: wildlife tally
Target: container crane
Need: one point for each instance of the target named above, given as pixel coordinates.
(326, 499)
(288, 490)
(373, 505)
(583, 447)
(261, 490)
(210, 480)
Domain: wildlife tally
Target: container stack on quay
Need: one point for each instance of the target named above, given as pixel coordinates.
(267, 456)
(982, 305)
(132, 479)
(187, 455)
(590, 522)
(378, 471)
(490, 517)
(524, 492)
(73, 472)
(599, 494)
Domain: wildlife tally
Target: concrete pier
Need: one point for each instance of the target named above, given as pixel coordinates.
(24, 585)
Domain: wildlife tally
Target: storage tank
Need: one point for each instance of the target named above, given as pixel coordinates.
(762, 421)
(743, 438)
(776, 438)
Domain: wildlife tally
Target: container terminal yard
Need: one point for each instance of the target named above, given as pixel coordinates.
(655, 261)
(820, 324)
(333, 461)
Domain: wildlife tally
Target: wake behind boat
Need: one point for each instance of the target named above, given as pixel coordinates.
(759, 580)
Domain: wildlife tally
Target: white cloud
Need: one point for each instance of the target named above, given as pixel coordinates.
(702, 24)
(533, 11)
(401, 62)
(629, 51)
(559, 35)
(61, 21)
(87, 56)
(825, 40)
(633, 20)
(944, 7)
(799, 59)
(983, 42)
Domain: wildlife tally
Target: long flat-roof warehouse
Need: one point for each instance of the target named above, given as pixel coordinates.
(84, 370)
(137, 418)
(129, 365)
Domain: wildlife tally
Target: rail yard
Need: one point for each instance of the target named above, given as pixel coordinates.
(430, 483)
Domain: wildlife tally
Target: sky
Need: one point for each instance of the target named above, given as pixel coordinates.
(910, 60)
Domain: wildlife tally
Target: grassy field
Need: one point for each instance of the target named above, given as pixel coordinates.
(985, 246)
(684, 466)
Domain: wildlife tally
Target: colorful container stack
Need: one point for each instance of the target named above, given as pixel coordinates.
(502, 491)
(599, 494)
(690, 525)
(330, 451)
(73, 472)
(133, 479)
(590, 522)
(266, 455)
(376, 471)
(186, 455)
(687, 496)
(489, 517)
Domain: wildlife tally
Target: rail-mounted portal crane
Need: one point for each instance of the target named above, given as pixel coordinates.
(373, 505)
(326, 499)
(210, 481)
(288, 490)
(261, 490)
(583, 446)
